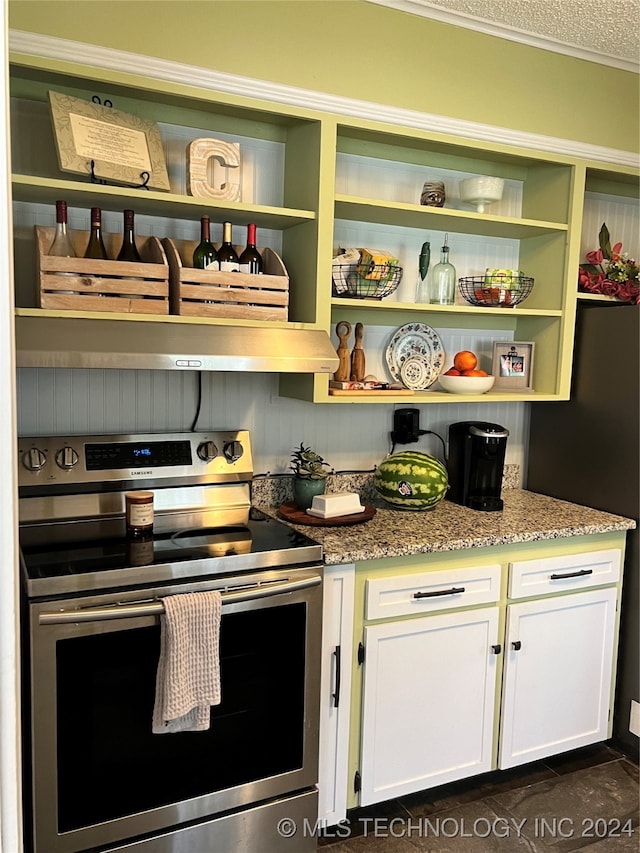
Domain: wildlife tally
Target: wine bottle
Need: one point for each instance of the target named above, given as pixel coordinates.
(442, 287)
(95, 246)
(204, 254)
(128, 250)
(227, 255)
(62, 246)
(251, 260)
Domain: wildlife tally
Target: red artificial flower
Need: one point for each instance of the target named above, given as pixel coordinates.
(623, 281)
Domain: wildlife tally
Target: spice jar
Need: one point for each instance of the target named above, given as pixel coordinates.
(139, 513)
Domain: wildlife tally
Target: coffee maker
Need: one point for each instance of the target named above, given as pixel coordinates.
(476, 464)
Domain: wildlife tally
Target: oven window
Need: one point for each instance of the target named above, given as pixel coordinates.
(109, 762)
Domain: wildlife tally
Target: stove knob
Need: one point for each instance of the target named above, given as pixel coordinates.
(66, 458)
(207, 451)
(233, 450)
(34, 459)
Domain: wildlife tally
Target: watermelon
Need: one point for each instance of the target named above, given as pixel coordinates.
(411, 480)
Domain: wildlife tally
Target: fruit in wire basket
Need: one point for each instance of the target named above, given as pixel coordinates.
(496, 288)
(380, 282)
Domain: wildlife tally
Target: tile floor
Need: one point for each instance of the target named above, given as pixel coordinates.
(583, 800)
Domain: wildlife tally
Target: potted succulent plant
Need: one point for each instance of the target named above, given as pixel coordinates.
(310, 475)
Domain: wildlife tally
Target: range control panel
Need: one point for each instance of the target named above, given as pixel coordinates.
(199, 457)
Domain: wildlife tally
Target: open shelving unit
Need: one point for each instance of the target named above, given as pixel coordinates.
(339, 182)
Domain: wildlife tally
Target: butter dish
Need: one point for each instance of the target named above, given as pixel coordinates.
(335, 504)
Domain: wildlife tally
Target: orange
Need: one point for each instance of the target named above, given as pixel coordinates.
(452, 372)
(465, 360)
(474, 373)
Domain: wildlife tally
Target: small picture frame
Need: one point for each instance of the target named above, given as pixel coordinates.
(107, 144)
(513, 365)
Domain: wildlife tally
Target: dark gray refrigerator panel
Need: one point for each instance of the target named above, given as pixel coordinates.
(587, 451)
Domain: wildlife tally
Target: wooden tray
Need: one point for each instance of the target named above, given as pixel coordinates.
(369, 392)
(290, 512)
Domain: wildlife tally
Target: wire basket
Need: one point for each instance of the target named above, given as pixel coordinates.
(491, 291)
(379, 281)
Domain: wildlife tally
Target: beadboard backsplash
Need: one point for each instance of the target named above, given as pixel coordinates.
(350, 437)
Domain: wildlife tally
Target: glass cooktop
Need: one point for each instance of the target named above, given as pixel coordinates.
(96, 555)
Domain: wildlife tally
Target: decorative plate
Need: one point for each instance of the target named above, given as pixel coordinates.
(416, 340)
(414, 372)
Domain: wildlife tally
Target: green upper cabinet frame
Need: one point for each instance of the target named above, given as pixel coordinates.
(319, 206)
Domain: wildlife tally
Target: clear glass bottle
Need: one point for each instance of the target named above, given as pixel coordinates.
(95, 247)
(129, 250)
(205, 255)
(62, 247)
(422, 289)
(251, 260)
(442, 284)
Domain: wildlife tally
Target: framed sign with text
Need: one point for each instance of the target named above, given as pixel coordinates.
(513, 365)
(107, 144)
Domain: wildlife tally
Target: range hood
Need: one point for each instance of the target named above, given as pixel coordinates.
(130, 345)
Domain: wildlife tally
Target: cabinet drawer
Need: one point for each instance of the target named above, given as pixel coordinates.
(406, 595)
(558, 574)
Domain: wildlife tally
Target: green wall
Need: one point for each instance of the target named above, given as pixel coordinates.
(361, 50)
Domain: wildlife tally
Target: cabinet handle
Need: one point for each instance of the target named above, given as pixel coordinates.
(516, 646)
(455, 590)
(579, 574)
(336, 695)
(496, 649)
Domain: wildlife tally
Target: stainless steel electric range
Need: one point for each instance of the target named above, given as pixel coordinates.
(100, 779)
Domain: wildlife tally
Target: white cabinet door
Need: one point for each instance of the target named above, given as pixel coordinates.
(337, 660)
(428, 705)
(557, 682)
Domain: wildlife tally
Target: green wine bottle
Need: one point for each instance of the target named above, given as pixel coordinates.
(129, 250)
(250, 259)
(205, 255)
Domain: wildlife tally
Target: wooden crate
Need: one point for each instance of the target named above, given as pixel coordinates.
(85, 284)
(211, 293)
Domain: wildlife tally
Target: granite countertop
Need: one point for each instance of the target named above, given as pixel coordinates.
(526, 517)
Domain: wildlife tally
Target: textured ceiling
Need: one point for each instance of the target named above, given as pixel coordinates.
(608, 27)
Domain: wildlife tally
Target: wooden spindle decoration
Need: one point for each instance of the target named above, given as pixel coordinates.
(343, 330)
(357, 356)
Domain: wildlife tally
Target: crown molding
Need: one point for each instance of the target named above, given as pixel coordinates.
(95, 56)
(504, 31)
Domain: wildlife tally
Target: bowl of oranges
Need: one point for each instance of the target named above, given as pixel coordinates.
(464, 376)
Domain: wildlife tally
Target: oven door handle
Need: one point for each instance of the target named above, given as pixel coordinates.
(156, 608)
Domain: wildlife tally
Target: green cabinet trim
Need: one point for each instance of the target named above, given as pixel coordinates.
(548, 231)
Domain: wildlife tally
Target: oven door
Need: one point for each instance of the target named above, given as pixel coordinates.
(99, 775)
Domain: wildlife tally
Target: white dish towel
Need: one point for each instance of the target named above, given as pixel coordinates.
(188, 677)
